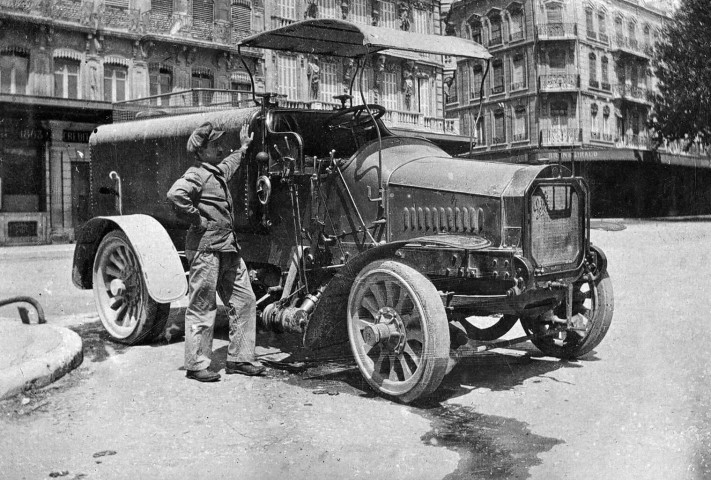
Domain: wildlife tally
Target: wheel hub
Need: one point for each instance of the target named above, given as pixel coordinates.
(388, 330)
(117, 287)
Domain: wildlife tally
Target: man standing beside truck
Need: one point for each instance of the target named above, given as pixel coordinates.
(202, 197)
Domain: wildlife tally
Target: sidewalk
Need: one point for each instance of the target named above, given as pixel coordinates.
(33, 356)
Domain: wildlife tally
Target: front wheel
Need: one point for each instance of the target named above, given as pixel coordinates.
(593, 306)
(398, 330)
(126, 310)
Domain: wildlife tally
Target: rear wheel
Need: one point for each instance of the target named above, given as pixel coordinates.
(125, 308)
(593, 306)
(398, 330)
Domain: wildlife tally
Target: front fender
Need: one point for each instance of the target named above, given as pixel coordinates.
(160, 263)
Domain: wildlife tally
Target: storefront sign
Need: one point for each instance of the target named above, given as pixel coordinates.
(75, 136)
(23, 133)
(610, 155)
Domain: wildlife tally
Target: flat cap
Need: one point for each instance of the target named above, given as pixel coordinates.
(203, 135)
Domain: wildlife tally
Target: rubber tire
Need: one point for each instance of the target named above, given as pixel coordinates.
(152, 316)
(601, 320)
(430, 373)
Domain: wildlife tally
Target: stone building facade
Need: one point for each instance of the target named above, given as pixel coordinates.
(568, 79)
(66, 66)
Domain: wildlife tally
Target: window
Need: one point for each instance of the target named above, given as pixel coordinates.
(359, 12)
(477, 76)
(388, 17)
(605, 67)
(423, 21)
(66, 78)
(329, 81)
(619, 36)
(203, 11)
(499, 127)
(116, 3)
(287, 9)
(367, 89)
(115, 83)
(557, 61)
(593, 71)
(329, 9)
(606, 124)
(647, 40)
(495, 38)
(516, 24)
(463, 73)
(477, 133)
(241, 16)
(594, 127)
(389, 90)
(242, 96)
(518, 70)
(201, 79)
(161, 83)
(632, 31)
(559, 114)
(287, 76)
(480, 132)
(162, 8)
(602, 27)
(475, 28)
(498, 76)
(424, 87)
(13, 73)
(520, 124)
(554, 13)
(589, 23)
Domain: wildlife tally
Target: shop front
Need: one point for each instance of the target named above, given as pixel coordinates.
(24, 187)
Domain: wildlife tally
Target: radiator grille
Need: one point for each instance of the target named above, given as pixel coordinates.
(556, 225)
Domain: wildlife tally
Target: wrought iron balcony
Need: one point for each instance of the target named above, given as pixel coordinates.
(498, 140)
(606, 86)
(594, 83)
(561, 136)
(497, 89)
(563, 82)
(494, 41)
(516, 36)
(520, 137)
(632, 93)
(629, 46)
(631, 140)
(557, 31)
(518, 86)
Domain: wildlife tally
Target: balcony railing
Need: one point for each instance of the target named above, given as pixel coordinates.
(630, 46)
(497, 40)
(193, 100)
(561, 136)
(520, 137)
(556, 31)
(451, 126)
(498, 140)
(516, 36)
(281, 22)
(562, 82)
(518, 86)
(601, 137)
(603, 37)
(634, 141)
(632, 93)
(496, 89)
(606, 86)
(594, 83)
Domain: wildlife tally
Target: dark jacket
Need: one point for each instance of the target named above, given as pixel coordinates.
(201, 196)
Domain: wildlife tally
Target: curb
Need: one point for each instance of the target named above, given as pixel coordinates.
(42, 371)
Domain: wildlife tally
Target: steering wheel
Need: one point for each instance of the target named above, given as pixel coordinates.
(353, 117)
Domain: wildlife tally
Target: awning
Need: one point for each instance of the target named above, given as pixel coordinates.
(344, 39)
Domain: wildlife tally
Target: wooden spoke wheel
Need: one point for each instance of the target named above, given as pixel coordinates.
(126, 310)
(593, 306)
(398, 330)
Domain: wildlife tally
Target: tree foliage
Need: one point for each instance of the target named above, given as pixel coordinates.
(682, 64)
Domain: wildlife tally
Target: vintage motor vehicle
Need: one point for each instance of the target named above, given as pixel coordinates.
(354, 234)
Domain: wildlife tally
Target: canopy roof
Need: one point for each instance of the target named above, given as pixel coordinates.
(344, 39)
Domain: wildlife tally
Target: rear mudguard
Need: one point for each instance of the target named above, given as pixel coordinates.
(160, 263)
(328, 323)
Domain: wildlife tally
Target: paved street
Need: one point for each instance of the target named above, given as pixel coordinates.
(637, 407)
